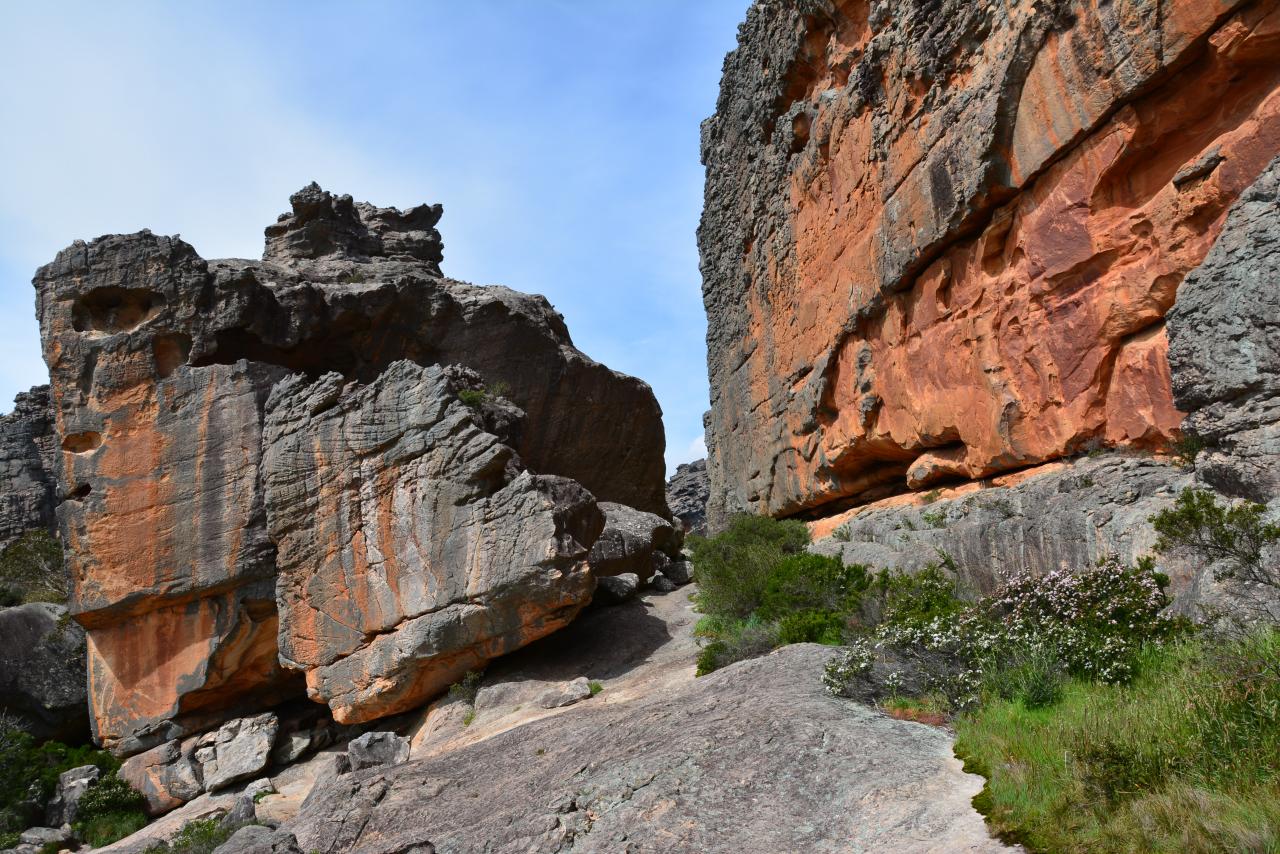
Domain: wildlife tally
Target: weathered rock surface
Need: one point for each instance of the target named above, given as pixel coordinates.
(632, 542)
(1224, 347)
(412, 547)
(675, 771)
(167, 776)
(42, 671)
(687, 493)
(940, 239)
(616, 589)
(161, 364)
(1059, 516)
(236, 751)
(28, 466)
(65, 803)
(256, 839)
(377, 750)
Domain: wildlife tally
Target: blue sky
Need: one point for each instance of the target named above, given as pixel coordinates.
(561, 136)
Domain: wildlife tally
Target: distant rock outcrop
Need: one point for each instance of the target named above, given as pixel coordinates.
(163, 367)
(28, 466)
(687, 493)
(941, 239)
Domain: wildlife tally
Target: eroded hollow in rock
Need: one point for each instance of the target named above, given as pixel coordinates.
(114, 309)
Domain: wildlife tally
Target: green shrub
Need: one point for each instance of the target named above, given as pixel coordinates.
(737, 640)
(29, 772)
(473, 397)
(109, 810)
(196, 837)
(466, 688)
(733, 568)
(826, 627)
(595, 687)
(31, 570)
(1232, 536)
(807, 582)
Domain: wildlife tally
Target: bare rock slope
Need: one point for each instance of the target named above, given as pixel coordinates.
(659, 762)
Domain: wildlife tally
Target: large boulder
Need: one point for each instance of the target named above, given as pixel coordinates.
(1224, 347)
(632, 542)
(161, 364)
(940, 239)
(42, 671)
(413, 547)
(167, 775)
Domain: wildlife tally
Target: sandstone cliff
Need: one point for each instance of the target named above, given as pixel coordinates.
(245, 441)
(941, 239)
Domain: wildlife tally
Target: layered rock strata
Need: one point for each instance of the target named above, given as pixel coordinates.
(687, 493)
(161, 366)
(28, 466)
(941, 241)
(412, 546)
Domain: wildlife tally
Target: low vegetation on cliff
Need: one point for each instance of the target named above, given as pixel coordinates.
(109, 809)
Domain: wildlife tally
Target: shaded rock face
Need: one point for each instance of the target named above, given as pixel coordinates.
(633, 542)
(412, 547)
(1224, 347)
(940, 239)
(687, 494)
(679, 770)
(42, 671)
(161, 366)
(28, 466)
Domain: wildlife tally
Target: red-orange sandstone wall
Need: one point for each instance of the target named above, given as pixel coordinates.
(940, 238)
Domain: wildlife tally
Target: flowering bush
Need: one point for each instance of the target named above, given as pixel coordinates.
(1021, 642)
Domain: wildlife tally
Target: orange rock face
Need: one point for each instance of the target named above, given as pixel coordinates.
(950, 251)
(397, 580)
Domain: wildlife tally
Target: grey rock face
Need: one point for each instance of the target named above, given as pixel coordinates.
(616, 589)
(377, 750)
(593, 779)
(1224, 347)
(72, 785)
(238, 750)
(687, 494)
(1068, 516)
(42, 671)
(630, 541)
(28, 466)
(257, 839)
(411, 545)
